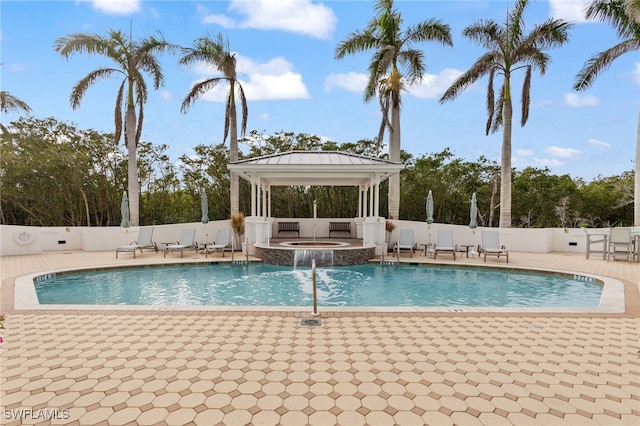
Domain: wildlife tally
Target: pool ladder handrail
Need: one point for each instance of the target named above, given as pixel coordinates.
(390, 262)
(315, 289)
(233, 250)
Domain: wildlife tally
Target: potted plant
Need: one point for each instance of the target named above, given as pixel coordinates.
(389, 227)
(237, 224)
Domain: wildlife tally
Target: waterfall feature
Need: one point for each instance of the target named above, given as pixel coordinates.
(304, 257)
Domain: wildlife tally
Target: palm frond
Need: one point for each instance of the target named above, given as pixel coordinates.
(117, 113)
(245, 110)
(80, 88)
(486, 33)
(497, 119)
(198, 90)
(526, 99)
(356, 42)
(429, 30)
(490, 101)
(227, 116)
(484, 65)
(9, 103)
(83, 43)
(412, 61)
(616, 14)
(601, 61)
(140, 121)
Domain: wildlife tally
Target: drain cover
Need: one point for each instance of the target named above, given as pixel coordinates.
(311, 322)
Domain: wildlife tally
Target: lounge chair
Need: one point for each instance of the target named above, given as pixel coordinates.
(445, 244)
(187, 241)
(491, 245)
(144, 242)
(405, 242)
(620, 243)
(222, 241)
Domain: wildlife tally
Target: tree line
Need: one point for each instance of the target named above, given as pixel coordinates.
(56, 174)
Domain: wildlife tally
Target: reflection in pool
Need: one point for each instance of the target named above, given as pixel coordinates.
(360, 285)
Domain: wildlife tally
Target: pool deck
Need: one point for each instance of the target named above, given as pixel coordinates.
(139, 367)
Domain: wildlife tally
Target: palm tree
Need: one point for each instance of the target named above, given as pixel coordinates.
(214, 52)
(509, 49)
(624, 16)
(10, 103)
(131, 59)
(392, 50)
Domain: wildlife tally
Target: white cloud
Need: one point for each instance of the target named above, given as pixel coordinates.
(166, 95)
(575, 100)
(264, 117)
(549, 162)
(557, 151)
(542, 103)
(285, 86)
(524, 152)
(221, 20)
(434, 85)
(635, 74)
(117, 7)
(274, 79)
(569, 10)
(297, 16)
(17, 67)
(598, 143)
(352, 82)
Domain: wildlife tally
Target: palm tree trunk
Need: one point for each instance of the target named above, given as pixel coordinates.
(505, 171)
(132, 167)
(233, 154)
(394, 155)
(636, 191)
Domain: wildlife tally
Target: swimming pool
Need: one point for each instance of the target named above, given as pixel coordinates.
(353, 286)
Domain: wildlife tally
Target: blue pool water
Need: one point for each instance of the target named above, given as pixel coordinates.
(361, 285)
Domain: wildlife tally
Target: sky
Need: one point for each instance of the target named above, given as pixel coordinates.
(286, 63)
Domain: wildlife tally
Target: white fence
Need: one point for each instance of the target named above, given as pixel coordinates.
(19, 240)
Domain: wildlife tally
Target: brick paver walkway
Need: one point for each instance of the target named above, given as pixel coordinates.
(265, 368)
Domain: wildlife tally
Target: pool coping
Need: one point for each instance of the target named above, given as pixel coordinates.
(614, 298)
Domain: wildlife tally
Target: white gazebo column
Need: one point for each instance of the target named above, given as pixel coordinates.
(371, 199)
(253, 194)
(263, 211)
(376, 207)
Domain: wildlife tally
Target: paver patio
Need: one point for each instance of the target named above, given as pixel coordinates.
(357, 368)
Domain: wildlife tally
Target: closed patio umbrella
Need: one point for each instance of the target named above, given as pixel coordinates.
(124, 210)
(204, 204)
(430, 208)
(473, 212)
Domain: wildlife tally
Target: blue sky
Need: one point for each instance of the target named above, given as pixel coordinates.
(285, 51)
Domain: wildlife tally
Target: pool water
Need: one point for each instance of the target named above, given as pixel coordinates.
(360, 285)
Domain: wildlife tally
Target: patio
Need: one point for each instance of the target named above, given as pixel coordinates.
(225, 367)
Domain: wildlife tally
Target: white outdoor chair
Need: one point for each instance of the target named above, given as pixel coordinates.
(187, 241)
(144, 242)
(445, 244)
(222, 241)
(491, 245)
(405, 242)
(620, 243)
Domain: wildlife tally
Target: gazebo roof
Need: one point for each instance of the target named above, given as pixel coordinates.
(330, 168)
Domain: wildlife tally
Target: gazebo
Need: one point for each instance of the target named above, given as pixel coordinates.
(319, 168)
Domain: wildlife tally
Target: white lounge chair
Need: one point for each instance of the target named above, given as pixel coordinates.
(445, 244)
(144, 242)
(405, 242)
(620, 243)
(222, 241)
(491, 245)
(187, 241)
